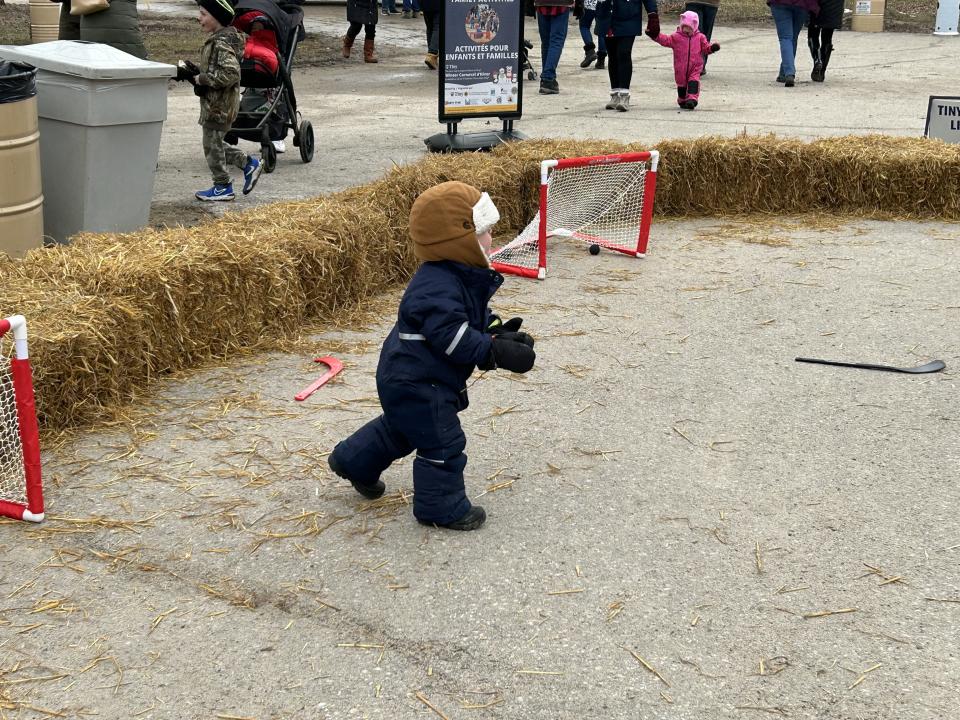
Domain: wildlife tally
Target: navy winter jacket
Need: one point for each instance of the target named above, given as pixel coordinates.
(624, 17)
(440, 336)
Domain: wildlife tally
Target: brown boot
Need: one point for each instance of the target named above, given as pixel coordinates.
(347, 44)
(431, 60)
(368, 53)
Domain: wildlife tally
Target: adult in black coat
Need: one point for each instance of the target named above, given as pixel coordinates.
(619, 22)
(820, 35)
(361, 13)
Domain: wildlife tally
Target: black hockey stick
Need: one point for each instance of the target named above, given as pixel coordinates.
(930, 367)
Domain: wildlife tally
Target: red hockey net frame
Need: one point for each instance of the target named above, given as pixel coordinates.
(21, 489)
(604, 200)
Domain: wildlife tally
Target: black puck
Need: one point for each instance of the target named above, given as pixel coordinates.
(594, 249)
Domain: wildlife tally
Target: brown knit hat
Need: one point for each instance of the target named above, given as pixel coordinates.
(441, 225)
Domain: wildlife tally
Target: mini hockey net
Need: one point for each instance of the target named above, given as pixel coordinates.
(21, 493)
(604, 200)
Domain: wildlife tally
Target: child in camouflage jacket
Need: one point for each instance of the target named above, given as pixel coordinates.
(216, 81)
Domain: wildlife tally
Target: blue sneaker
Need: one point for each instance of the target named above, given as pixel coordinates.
(251, 173)
(218, 193)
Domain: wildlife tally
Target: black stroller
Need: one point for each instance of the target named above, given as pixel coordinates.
(525, 64)
(268, 105)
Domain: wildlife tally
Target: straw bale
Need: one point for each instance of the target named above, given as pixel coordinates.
(111, 312)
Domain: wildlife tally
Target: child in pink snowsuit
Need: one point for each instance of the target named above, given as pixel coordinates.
(690, 46)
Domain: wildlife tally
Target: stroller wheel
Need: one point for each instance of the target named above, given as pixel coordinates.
(306, 141)
(531, 75)
(269, 154)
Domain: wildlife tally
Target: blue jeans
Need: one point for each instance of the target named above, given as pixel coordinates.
(411, 5)
(585, 22)
(789, 21)
(389, 5)
(553, 33)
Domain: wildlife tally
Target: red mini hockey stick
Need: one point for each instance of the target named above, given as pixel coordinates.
(335, 367)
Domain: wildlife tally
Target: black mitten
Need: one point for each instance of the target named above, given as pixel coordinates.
(715, 48)
(653, 25)
(520, 337)
(497, 326)
(201, 90)
(511, 355)
(186, 70)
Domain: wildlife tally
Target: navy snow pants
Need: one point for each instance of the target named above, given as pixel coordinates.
(421, 417)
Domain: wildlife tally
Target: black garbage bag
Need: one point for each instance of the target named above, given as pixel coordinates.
(18, 81)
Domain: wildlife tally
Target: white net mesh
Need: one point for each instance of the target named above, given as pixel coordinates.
(13, 482)
(599, 204)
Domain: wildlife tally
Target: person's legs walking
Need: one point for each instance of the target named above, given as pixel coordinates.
(348, 39)
(213, 151)
(369, 51)
(799, 18)
(707, 15)
(783, 19)
(692, 94)
(601, 51)
(363, 456)
(553, 33)
(813, 42)
(589, 47)
(432, 22)
(625, 51)
(826, 50)
(613, 70)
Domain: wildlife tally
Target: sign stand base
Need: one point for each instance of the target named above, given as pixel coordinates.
(451, 141)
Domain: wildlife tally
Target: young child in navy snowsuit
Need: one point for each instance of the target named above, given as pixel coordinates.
(690, 47)
(444, 331)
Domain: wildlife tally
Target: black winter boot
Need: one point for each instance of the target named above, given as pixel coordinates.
(813, 42)
(601, 61)
(825, 52)
(589, 55)
(371, 492)
(474, 518)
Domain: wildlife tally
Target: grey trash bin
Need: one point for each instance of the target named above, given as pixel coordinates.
(101, 116)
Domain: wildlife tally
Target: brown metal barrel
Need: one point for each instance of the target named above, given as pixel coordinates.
(21, 196)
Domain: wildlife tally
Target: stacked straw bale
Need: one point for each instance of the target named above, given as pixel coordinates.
(111, 312)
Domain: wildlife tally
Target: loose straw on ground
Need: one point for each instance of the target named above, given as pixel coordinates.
(423, 698)
(648, 666)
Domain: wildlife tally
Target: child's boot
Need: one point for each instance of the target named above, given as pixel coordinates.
(371, 492)
(601, 60)
(369, 55)
(693, 94)
(589, 55)
(218, 193)
(614, 100)
(623, 101)
(347, 45)
(474, 518)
